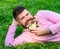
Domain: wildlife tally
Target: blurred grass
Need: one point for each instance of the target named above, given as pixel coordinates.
(6, 8)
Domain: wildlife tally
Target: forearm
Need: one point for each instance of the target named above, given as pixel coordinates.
(55, 28)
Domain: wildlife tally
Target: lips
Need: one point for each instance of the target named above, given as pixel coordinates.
(29, 21)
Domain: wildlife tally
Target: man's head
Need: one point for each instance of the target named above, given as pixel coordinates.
(22, 16)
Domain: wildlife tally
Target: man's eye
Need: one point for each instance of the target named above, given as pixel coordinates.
(27, 14)
(22, 17)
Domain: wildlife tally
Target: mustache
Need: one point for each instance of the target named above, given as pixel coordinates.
(29, 20)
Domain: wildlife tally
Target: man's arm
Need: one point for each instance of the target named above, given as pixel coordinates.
(53, 18)
(9, 40)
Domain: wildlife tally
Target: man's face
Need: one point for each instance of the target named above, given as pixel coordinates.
(24, 18)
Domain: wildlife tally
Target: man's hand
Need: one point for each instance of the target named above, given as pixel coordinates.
(39, 30)
(14, 22)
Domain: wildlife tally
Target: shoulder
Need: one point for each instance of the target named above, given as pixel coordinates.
(40, 13)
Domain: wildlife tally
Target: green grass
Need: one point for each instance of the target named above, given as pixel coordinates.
(6, 8)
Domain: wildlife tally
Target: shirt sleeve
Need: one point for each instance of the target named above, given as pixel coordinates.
(52, 17)
(49, 15)
(10, 36)
(55, 28)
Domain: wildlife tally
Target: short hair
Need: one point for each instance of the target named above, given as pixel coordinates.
(18, 10)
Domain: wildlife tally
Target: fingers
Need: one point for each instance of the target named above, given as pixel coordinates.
(34, 32)
(32, 29)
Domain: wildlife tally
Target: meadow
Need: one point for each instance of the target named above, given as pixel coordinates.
(6, 8)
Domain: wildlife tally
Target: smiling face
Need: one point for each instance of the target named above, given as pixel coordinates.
(24, 18)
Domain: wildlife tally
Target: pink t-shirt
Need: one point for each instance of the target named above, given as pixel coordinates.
(45, 18)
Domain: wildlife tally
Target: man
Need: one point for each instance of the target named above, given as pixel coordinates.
(48, 30)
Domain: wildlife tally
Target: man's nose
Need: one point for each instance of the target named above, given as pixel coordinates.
(27, 18)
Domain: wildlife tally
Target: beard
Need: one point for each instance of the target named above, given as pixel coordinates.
(31, 19)
(26, 23)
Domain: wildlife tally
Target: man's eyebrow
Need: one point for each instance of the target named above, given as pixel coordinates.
(27, 14)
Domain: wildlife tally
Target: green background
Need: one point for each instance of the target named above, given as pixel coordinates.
(6, 8)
